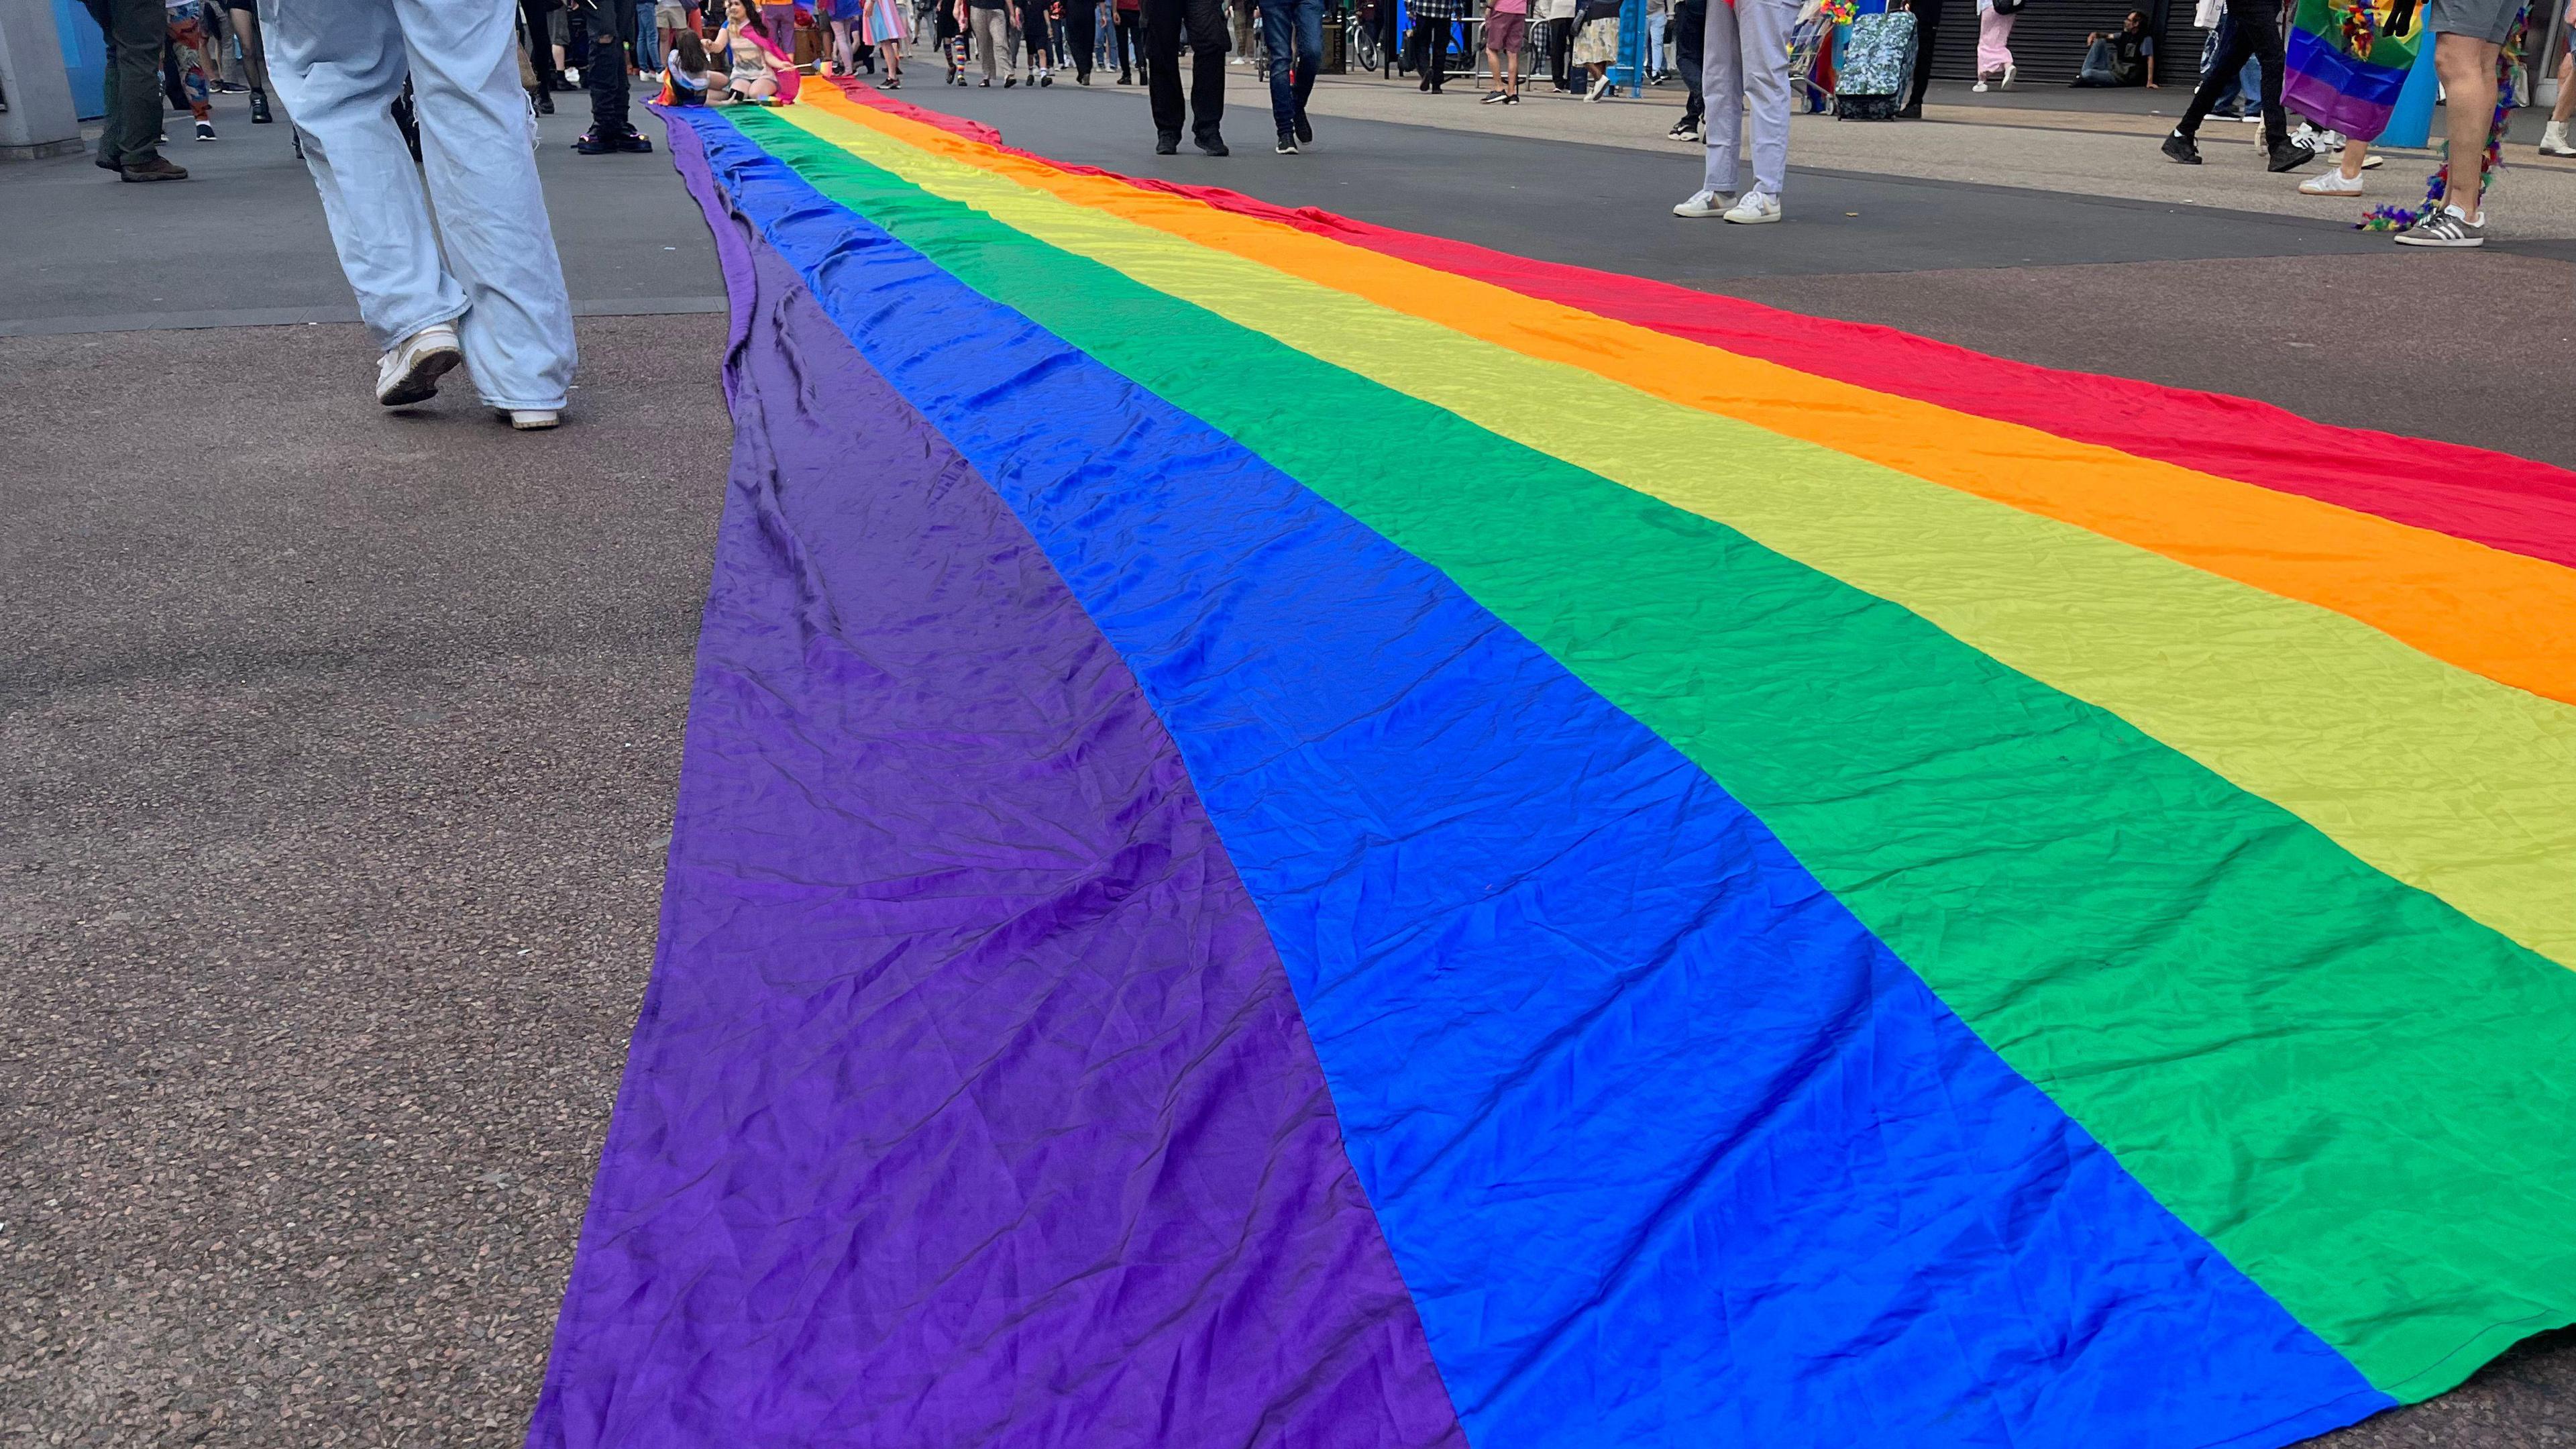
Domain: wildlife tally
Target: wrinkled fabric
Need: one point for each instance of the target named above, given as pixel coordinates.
(1668, 1147)
(2313, 1065)
(968, 1104)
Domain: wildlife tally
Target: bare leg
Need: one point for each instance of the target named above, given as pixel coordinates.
(2467, 66)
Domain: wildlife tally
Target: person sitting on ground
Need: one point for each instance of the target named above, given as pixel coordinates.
(2124, 57)
(686, 75)
(759, 72)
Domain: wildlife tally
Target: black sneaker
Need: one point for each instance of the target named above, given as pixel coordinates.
(1008, 81)
(635, 142)
(259, 115)
(1047, 79)
(2285, 156)
(987, 82)
(1305, 131)
(1211, 145)
(1167, 145)
(1513, 99)
(2445, 228)
(1491, 98)
(1287, 144)
(1126, 78)
(2182, 148)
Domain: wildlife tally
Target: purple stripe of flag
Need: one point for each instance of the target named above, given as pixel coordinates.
(969, 1103)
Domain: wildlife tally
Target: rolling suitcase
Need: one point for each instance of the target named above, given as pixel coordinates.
(1878, 63)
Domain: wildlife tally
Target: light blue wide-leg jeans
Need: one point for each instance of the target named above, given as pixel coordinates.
(339, 64)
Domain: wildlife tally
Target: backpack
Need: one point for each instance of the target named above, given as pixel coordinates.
(1878, 64)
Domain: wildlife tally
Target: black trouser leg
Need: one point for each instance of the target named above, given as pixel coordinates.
(136, 31)
(2256, 33)
(1922, 80)
(1426, 47)
(1081, 35)
(1206, 19)
(603, 74)
(1163, 65)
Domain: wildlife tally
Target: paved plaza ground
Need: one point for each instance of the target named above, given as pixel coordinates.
(341, 744)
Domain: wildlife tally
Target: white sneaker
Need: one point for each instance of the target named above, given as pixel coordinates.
(1599, 89)
(1705, 203)
(1980, 87)
(2553, 140)
(529, 420)
(2330, 184)
(1756, 206)
(2010, 73)
(409, 371)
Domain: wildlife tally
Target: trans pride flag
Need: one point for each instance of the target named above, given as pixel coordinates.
(1301, 835)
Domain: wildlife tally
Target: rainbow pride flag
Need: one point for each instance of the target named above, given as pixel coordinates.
(1294, 834)
(2344, 68)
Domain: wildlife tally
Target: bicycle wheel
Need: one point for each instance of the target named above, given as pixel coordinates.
(1364, 48)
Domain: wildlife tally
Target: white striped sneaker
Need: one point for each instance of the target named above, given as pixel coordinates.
(2446, 228)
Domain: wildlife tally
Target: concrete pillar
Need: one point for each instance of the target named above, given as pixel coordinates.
(39, 122)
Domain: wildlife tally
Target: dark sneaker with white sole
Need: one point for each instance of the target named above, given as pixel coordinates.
(2183, 149)
(2445, 228)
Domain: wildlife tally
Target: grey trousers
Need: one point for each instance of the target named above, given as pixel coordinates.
(135, 30)
(991, 25)
(1744, 56)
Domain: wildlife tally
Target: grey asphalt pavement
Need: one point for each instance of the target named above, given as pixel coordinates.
(337, 746)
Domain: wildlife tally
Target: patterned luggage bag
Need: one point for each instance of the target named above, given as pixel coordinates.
(1878, 63)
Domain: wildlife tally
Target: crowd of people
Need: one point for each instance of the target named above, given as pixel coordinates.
(396, 104)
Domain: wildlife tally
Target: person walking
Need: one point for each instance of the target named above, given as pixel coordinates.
(2257, 33)
(1506, 35)
(1995, 67)
(1596, 45)
(497, 302)
(991, 22)
(2468, 38)
(1082, 36)
(1927, 20)
(1292, 35)
(245, 22)
(1205, 112)
(1127, 33)
(1690, 25)
(1744, 58)
(2553, 136)
(1429, 45)
(610, 26)
(1562, 16)
(129, 141)
(1034, 39)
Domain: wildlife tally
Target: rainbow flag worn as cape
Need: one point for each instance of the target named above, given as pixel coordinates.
(2345, 68)
(1295, 834)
